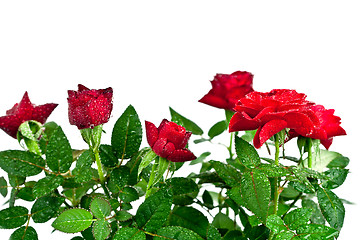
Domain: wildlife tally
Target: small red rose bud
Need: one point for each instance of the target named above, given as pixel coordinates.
(169, 141)
(89, 107)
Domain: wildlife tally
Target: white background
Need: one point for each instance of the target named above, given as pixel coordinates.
(157, 54)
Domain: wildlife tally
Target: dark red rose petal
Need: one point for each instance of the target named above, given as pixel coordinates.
(181, 155)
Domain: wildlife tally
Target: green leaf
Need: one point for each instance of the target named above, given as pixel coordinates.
(154, 211)
(338, 161)
(118, 179)
(146, 160)
(256, 191)
(83, 171)
(297, 217)
(271, 170)
(190, 218)
(336, 178)
(316, 216)
(107, 156)
(228, 173)
(127, 134)
(234, 235)
(16, 181)
(133, 165)
(258, 233)
(186, 123)
(249, 135)
(177, 233)
(287, 235)
(200, 159)
(275, 224)
(47, 185)
(26, 193)
(45, 208)
(100, 208)
(332, 208)
(222, 221)
(212, 233)
(78, 238)
(3, 187)
(129, 233)
(123, 216)
(184, 190)
(228, 115)
(217, 129)
(58, 152)
(246, 153)
(73, 220)
(13, 217)
(207, 199)
(21, 163)
(128, 194)
(328, 159)
(24, 233)
(235, 194)
(316, 232)
(101, 229)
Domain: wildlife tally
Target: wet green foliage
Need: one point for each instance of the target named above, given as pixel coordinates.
(242, 196)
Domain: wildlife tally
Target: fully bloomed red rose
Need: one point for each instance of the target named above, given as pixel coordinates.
(278, 109)
(228, 89)
(89, 107)
(169, 141)
(22, 112)
(326, 125)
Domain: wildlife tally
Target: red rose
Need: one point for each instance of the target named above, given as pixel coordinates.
(326, 125)
(274, 111)
(270, 113)
(89, 108)
(22, 112)
(169, 141)
(228, 89)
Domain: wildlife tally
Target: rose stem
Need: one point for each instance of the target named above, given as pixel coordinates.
(309, 140)
(230, 146)
(276, 193)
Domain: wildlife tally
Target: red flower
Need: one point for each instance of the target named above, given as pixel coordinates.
(22, 112)
(270, 113)
(228, 89)
(89, 108)
(326, 125)
(274, 111)
(169, 141)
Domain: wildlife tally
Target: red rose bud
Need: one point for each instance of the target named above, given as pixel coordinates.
(89, 107)
(169, 141)
(22, 112)
(228, 89)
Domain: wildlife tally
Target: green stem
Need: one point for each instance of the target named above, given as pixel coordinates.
(101, 173)
(151, 179)
(99, 167)
(230, 146)
(309, 140)
(277, 153)
(277, 182)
